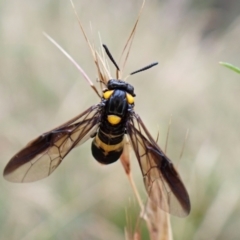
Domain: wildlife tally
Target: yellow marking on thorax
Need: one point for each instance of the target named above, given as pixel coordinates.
(108, 94)
(113, 119)
(130, 98)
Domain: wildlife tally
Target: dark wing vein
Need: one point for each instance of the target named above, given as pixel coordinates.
(162, 182)
(44, 154)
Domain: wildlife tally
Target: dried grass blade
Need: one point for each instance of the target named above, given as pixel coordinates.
(125, 160)
(73, 61)
(130, 38)
(168, 131)
(183, 147)
(92, 49)
(158, 222)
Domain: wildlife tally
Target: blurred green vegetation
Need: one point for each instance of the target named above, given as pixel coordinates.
(41, 89)
(230, 66)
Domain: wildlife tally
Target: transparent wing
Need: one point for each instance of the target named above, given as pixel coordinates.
(44, 154)
(162, 181)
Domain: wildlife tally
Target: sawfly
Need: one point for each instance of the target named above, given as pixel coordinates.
(108, 123)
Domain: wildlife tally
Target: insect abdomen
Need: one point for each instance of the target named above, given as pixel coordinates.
(107, 153)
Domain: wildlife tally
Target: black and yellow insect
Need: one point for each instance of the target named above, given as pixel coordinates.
(107, 123)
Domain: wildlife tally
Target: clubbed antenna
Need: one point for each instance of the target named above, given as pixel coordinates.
(145, 68)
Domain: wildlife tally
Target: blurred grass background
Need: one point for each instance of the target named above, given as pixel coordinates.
(41, 89)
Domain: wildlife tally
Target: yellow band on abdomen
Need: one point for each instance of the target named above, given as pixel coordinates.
(108, 148)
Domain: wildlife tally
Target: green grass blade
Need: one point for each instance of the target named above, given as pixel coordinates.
(230, 66)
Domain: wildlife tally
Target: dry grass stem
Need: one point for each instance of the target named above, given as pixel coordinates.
(73, 61)
(129, 41)
(168, 131)
(183, 147)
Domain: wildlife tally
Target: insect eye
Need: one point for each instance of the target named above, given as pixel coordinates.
(130, 98)
(108, 94)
